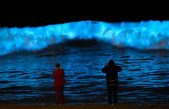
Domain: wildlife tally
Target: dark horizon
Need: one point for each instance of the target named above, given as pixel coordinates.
(42, 20)
(26, 15)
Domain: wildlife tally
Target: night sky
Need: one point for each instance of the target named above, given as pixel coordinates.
(38, 14)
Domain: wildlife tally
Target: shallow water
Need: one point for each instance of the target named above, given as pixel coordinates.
(27, 77)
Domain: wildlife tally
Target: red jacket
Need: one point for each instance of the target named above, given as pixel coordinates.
(59, 79)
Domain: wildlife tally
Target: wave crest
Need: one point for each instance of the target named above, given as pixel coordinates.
(140, 35)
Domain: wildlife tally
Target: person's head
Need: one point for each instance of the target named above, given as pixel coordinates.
(111, 62)
(58, 65)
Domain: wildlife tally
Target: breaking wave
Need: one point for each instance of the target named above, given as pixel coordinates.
(140, 35)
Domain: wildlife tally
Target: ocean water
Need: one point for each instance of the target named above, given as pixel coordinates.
(27, 77)
(28, 57)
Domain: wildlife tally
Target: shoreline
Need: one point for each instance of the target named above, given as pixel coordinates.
(84, 106)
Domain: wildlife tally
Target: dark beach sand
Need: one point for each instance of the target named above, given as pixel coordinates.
(92, 106)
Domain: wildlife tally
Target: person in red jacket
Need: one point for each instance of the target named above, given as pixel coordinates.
(59, 82)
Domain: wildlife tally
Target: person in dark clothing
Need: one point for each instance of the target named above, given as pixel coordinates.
(111, 70)
(59, 82)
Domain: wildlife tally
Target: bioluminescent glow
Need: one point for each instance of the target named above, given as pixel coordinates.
(140, 35)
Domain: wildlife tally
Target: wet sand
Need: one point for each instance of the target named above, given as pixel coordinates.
(92, 106)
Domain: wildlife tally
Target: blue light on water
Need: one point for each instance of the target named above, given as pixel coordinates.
(140, 35)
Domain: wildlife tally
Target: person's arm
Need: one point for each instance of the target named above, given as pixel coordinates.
(119, 68)
(63, 75)
(54, 76)
(105, 69)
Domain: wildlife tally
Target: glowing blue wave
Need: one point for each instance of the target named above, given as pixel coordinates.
(140, 35)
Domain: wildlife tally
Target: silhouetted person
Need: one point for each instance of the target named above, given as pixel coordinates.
(111, 70)
(59, 82)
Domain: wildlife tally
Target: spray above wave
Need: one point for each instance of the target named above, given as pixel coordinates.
(140, 35)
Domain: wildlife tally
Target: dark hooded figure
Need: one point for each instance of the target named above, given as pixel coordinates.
(111, 70)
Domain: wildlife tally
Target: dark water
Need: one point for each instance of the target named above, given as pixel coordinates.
(27, 77)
